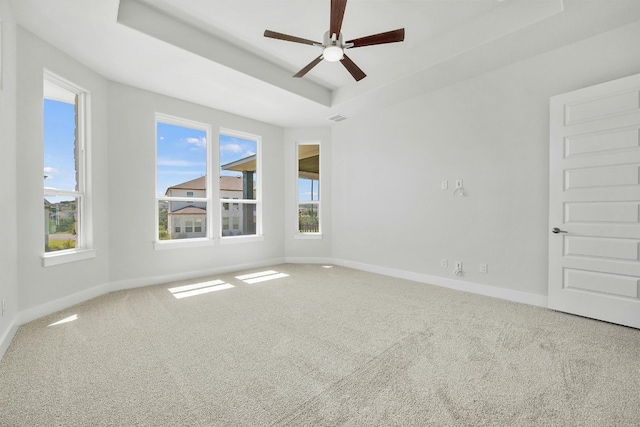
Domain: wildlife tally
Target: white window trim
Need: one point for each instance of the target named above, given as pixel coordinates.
(84, 243)
(208, 240)
(297, 234)
(183, 243)
(258, 237)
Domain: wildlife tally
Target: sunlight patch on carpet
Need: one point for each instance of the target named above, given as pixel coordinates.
(65, 320)
(261, 276)
(199, 288)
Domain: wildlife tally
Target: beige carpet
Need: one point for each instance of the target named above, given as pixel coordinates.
(318, 347)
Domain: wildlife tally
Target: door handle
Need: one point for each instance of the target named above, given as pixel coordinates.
(556, 230)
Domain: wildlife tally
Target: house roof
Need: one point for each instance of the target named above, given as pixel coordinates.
(231, 183)
(189, 210)
(227, 183)
(194, 184)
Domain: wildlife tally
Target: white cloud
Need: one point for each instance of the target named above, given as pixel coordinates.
(249, 153)
(231, 148)
(48, 169)
(198, 142)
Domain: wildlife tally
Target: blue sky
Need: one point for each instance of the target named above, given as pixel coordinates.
(182, 154)
(307, 190)
(59, 140)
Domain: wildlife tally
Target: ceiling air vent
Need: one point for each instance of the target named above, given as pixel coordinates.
(338, 118)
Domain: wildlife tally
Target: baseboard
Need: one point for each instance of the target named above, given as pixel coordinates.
(8, 335)
(194, 274)
(51, 307)
(459, 285)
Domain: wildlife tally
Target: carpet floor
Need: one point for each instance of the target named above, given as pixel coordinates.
(306, 345)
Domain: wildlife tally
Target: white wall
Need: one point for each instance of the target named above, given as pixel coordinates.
(8, 190)
(134, 261)
(40, 285)
(492, 131)
(304, 248)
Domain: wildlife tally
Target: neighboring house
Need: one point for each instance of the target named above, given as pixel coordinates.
(189, 219)
(231, 188)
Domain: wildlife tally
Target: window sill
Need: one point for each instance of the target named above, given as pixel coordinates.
(182, 243)
(307, 236)
(230, 240)
(64, 257)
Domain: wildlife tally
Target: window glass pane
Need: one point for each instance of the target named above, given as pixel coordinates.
(186, 221)
(181, 161)
(60, 227)
(308, 218)
(238, 171)
(308, 188)
(243, 220)
(61, 155)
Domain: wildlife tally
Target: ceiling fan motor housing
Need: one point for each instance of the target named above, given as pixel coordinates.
(333, 47)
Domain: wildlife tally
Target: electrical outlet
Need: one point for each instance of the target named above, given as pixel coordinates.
(484, 268)
(443, 263)
(3, 306)
(444, 185)
(458, 183)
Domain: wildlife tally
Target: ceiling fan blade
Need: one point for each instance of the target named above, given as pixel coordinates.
(337, 13)
(351, 67)
(308, 68)
(288, 38)
(382, 38)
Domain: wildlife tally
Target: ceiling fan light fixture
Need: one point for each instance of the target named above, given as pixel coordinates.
(333, 53)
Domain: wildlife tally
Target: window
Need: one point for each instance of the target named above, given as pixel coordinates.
(240, 181)
(67, 225)
(182, 178)
(308, 158)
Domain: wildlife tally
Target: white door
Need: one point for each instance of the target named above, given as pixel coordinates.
(594, 202)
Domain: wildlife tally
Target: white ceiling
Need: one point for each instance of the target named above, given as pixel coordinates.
(212, 52)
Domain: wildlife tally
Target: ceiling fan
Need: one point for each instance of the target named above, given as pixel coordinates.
(333, 45)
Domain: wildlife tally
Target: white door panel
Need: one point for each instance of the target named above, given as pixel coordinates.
(594, 199)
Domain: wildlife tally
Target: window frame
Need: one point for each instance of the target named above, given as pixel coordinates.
(258, 236)
(84, 214)
(208, 239)
(307, 235)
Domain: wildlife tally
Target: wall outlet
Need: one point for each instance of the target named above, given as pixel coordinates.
(458, 183)
(3, 306)
(444, 185)
(444, 263)
(484, 268)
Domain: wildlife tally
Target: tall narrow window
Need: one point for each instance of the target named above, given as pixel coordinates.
(240, 181)
(308, 188)
(182, 178)
(65, 144)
